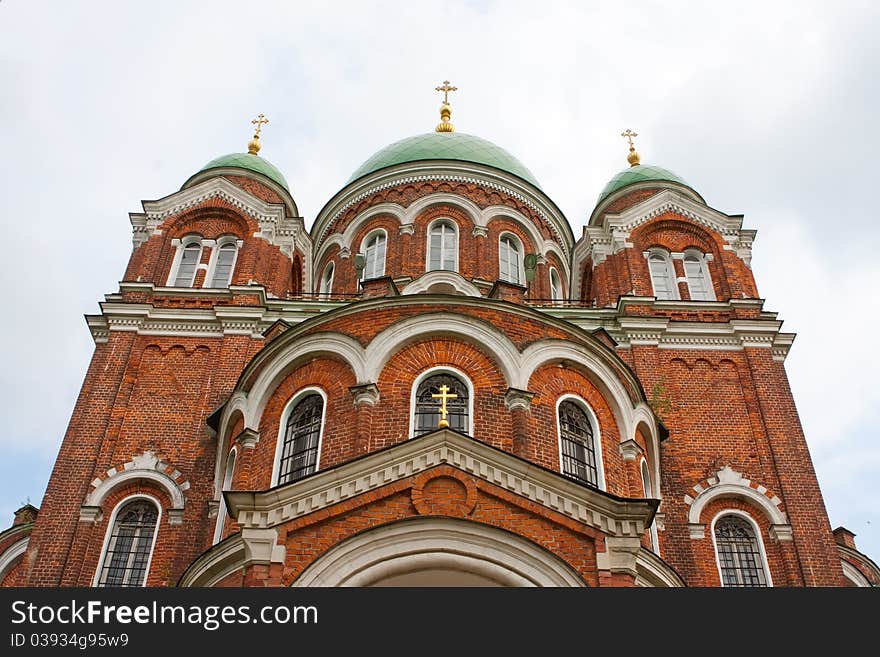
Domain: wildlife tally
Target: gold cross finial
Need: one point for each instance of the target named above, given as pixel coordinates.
(633, 158)
(254, 144)
(445, 109)
(445, 89)
(443, 397)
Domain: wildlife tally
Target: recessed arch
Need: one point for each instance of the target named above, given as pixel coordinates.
(411, 547)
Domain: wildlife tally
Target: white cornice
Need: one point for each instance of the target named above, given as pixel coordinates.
(225, 318)
(267, 509)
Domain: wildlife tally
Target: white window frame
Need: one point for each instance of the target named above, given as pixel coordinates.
(181, 244)
(228, 473)
(597, 436)
(324, 291)
(702, 260)
(451, 222)
(215, 256)
(282, 429)
(137, 496)
(441, 369)
(670, 268)
(755, 527)
(365, 244)
(520, 256)
(557, 292)
(648, 487)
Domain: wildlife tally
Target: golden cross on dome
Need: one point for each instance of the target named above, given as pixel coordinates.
(445, 89)
(254, 144)
(445, 109)
(633, 158)
(443, 397)
(259, 121)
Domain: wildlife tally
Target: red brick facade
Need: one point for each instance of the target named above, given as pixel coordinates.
(198, 372)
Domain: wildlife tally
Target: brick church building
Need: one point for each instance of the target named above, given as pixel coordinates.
(437, 383)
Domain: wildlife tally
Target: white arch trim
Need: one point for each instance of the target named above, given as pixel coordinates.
(346, 238)
(517, 368)
(412, 546)
(336, 344)
(850, 572)
(7, 559)
(442, 277)
(545, 351)
(730, 483)
(144, 466)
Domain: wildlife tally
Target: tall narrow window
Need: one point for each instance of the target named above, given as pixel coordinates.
(130, 545)
(443, 247)
(186, 268)
(327, 281)
(509, 260)
(646, 486)
(227, 482)
(697, 273)
(738, 548)
(555, 285)
(427, 407)
(662, 275)
(299, 451)
(374, 254)
(225, 260)
(577, 444)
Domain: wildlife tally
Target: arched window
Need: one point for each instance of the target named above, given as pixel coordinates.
(662, 275)
(302, 438)
(555, 285)
(374, 253)
(188, 257)
(510, 259)
(739, 551)
(578, 453)
(222, 263)
(426, 411)
(129, 544)
(227, 482)
(697, 273)
(327, 281)
(443, 246)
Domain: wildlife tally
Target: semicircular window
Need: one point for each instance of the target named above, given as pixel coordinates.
(427, 410)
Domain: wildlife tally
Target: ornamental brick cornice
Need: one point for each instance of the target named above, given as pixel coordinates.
(276, 226)
(520, 196)
(612, 234)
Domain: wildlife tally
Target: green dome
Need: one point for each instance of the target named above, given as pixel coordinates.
(445, 146)
(250, 162)
(637, 174)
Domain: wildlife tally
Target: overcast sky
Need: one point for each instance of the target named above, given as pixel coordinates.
(767, 109)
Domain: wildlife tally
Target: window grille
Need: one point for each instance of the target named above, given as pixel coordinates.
(578, 447)
(299, 453)
(739, 553)
(427, 411)
(442, 247)
(223, 267)
(186, 268)
(130, 545)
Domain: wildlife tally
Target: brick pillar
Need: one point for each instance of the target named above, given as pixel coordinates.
(680, 278)
(246, 441)
(519, 402)
(365, 397)
(630, 451)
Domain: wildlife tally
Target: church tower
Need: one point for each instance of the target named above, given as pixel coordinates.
(436, 384)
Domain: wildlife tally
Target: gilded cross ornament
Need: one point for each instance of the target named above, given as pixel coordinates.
(254, 144)
(443, 397)
(633, 158)
(259, 121)
(445, 89)
(445, 109)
